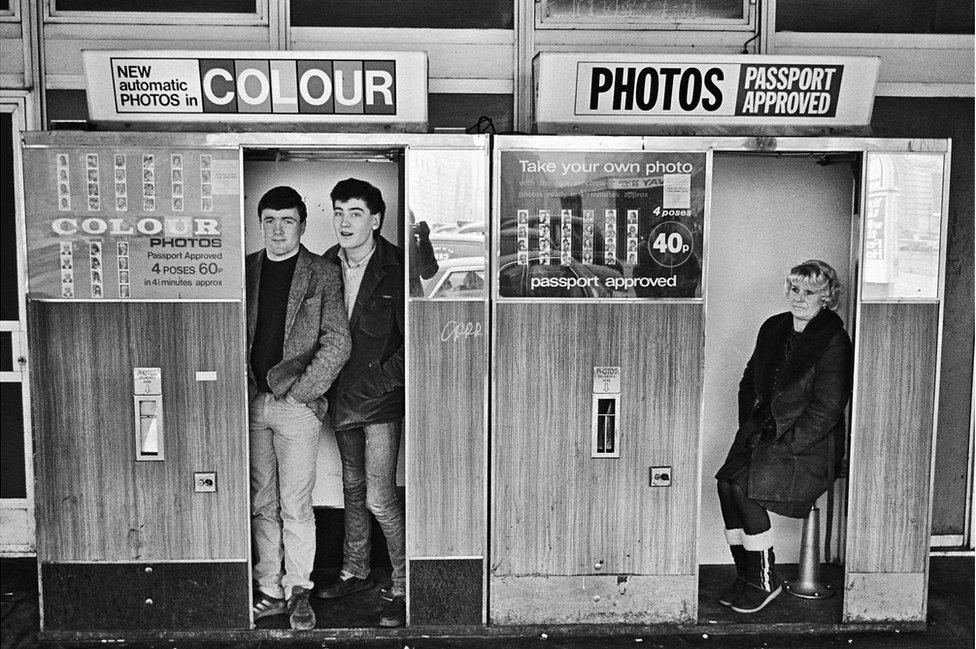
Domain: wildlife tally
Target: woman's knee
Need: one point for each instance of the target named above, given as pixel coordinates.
(725, 490)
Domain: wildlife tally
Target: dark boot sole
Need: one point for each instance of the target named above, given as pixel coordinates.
(319, 594)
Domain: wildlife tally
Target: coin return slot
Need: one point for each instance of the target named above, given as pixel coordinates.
(606, 431)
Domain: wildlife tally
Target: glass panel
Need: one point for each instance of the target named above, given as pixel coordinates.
(876, 16)
(9, 306)
(902, 226)
(443, 14)
(653, 11)
(13, 484)
(447, 217)
(6, 351)
(601, 224)
(170, 6)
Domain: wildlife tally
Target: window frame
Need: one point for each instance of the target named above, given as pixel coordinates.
(260, 16)
(747, 24)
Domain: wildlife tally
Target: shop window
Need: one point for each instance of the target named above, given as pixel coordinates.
(902, 226)
(5, 7)
(447, 194)
(442, 14)
(8, 225)
(876, 16)
(169, 6)
(13, 483)
(463, 110)
(645, 14)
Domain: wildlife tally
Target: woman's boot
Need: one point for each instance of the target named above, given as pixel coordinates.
(734, 539)
(761, 584)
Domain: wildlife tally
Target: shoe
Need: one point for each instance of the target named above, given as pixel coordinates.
(761, 583)
(266, 606)
(730, 593)
(394, 612)
(342, 587)
(301, 617)
(386, 593)
(753, 599)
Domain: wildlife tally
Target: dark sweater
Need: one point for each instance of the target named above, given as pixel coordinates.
(269, 333)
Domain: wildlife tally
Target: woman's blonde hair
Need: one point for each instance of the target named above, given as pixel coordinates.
(819, 274)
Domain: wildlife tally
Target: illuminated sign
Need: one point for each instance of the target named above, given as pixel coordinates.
(274, 86)
(624, 89)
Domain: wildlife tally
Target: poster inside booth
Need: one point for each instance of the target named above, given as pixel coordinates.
(601, 224)
(139, 223)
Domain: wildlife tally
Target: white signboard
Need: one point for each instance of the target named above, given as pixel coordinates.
(628, 89)
(606, 380)
(146, 380)
(324, 87)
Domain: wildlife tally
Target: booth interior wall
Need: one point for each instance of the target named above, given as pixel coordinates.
(95, 503)
(769, 214)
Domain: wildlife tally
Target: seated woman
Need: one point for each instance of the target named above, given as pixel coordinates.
(791, 428)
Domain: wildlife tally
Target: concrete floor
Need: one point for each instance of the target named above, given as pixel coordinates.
(787, 622)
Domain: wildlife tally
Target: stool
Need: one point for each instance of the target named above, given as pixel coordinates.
(807, 583)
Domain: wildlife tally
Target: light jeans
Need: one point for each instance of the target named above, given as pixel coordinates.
(369, 463)
(284, 447)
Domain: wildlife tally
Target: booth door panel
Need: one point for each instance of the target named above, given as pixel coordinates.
(577, 539)
(96, 504)
(447, 369)
(138, 396)
(890, 494)
(895, 384)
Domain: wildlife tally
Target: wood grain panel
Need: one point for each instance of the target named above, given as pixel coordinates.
(891, 446)
(94, 501)
(555, 510)
(446, 445)
(599, 599)
(884, 597)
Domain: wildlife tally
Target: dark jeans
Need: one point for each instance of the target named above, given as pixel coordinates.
(369, 462)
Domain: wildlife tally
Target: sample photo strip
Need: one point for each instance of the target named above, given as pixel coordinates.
(588, 232)
(176, 178)
(91, 171)
(121, 191)
(148, 183)
(206, 183)
(64, 182)
(522, 237)
(632, 219)
(95, 264)
(122, 250)
(67, 270)
(544, 246)
(610, 237)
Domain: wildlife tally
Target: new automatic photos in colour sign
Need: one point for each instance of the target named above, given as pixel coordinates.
(601, 224)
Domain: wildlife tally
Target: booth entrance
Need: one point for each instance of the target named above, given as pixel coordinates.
(584, 536)
(770, 212)
(136, 246)
(605, 365)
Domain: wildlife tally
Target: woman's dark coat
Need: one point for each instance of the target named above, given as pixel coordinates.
(807, 404)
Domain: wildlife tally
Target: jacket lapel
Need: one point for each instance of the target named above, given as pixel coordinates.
(253, 286)
(375, 272)
(299, 283)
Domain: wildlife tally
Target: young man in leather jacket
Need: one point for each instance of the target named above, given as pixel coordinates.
(367, 399)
